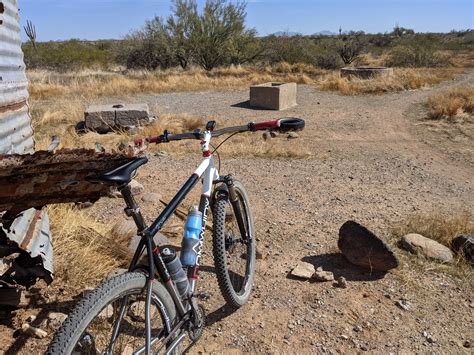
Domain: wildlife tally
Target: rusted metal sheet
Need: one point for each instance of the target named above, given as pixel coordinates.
(36, 242)
(16, 134)
(46, 177)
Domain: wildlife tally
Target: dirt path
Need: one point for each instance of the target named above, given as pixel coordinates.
(372, 162)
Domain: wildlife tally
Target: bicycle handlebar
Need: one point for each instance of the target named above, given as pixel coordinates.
(282, 125)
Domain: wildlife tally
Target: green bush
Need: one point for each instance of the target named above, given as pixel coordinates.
(415, 57)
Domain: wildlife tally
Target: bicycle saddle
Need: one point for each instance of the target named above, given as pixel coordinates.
(121, 175)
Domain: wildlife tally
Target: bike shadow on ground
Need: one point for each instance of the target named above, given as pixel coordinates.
(340, 266)
(20, 338)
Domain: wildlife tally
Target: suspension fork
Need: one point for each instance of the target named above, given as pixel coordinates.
(234, 200)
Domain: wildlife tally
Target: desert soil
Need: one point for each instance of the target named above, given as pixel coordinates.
(375, 160)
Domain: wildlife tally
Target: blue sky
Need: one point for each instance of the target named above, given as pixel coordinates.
(99, 19)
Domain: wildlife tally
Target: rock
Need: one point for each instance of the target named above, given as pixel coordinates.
(136, 187)
(124, 229)
(323, 276)
(363, 248)
(428, 337)
(36, 332)
(303, 270)
(106, 118)
(403, 304)
(467, 344)
(159, 239)
(464, 245)
(341, 282)
(266, 135)
(273, 134)
(55, 319)
(152, 197)
(107, 312)
(418, 244)
(292, 135)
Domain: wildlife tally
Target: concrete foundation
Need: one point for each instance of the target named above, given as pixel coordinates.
(366, 72)
(273, 96)
(106, 118)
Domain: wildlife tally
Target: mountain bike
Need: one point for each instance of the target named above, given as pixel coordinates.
(152, 307)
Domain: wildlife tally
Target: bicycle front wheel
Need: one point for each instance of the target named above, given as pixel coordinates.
(111, 319)
(234, 253)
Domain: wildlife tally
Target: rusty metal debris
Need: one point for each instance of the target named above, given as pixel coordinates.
(44, 177)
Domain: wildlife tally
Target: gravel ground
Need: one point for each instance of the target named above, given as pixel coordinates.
(374, 161)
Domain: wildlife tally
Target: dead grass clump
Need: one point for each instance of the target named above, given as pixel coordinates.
(443, 228)
(402, 79)
(91, 85)
(83, 252)
(450, 103)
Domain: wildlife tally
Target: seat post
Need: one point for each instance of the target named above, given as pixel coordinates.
(132, 209)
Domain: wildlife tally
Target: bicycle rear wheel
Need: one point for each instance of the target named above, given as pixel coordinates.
(89, 328)
(234, 257)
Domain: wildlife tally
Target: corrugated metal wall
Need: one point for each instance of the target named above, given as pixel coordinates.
(16, 134)
(31, 229)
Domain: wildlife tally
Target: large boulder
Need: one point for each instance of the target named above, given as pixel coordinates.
(363, 248)
(429, 248)
(464, 245)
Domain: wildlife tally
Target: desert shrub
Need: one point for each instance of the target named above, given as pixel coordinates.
(289, 49)
(327, 58)
(416, 56)
(349, 47)
(67, 55)
(448, 104)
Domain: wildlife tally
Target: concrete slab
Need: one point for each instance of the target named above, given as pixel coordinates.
(106, 118)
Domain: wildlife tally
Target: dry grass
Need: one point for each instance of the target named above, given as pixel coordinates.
(443, 228)
(84, 253)
(451, 103)
(402, 79)
(90, 85)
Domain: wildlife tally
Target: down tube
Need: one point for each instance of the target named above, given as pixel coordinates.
(210, 174)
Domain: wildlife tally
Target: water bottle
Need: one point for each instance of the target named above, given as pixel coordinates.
(176, 270)
(192, 229)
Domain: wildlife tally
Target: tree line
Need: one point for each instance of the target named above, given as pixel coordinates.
(218, 36)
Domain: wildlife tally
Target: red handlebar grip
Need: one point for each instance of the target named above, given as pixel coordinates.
(266, 125)
(138, 141)
(152, 139)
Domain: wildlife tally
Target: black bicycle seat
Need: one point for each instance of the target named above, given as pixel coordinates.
(121, 175)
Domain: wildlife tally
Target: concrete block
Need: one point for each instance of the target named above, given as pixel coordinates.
(100, 118)
(132, 115)
(273, 96)
(106, 118)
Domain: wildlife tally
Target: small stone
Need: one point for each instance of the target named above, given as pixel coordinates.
(258, 255)
(152, 197)
(428, 337)
(403, 304)
(341, 282)
(31, 318)
(273, 134)
(357, 328)
(467, 344)
(36, 332)
(55, 319)
(136, 187)
(345, 337)
(303, 270)
(266, 135)
(323, 276)
(292, 135)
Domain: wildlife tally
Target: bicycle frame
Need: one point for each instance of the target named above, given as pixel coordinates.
(209, 174)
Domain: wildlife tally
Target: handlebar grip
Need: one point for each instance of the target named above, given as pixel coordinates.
(260, 126)
(291, 124)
